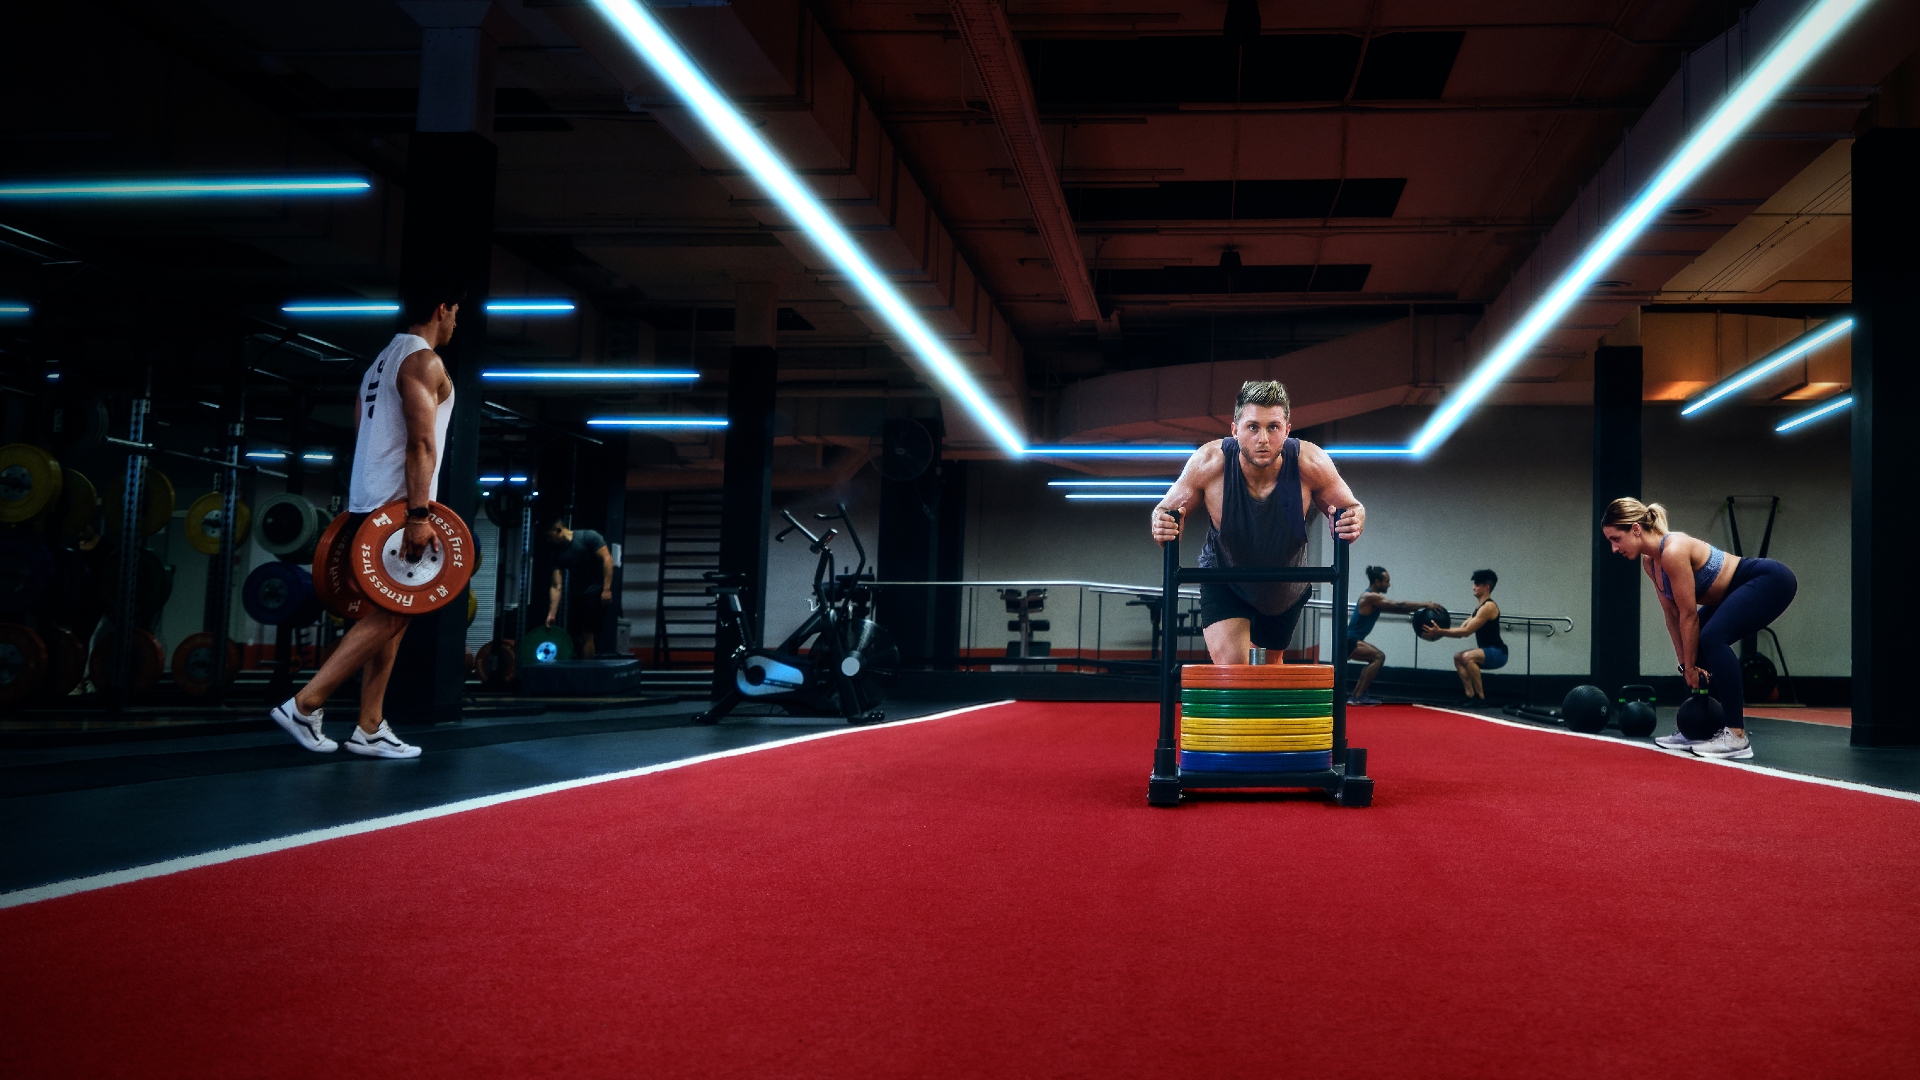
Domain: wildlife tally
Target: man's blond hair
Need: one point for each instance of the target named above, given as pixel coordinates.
(1262, 392)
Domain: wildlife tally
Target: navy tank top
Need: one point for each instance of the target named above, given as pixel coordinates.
(1360, 625)
(1260, 532)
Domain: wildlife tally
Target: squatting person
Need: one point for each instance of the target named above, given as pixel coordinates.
(1489, 652)
(1260, 488)
(1711, 599)
(1366, 612)
(575, 548)
(400, 432)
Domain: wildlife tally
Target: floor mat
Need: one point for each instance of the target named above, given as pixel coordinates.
(988, 894)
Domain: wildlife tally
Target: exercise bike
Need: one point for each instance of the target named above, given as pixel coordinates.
(849, 665)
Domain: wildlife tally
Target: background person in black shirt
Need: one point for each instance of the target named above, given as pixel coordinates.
(586, 551)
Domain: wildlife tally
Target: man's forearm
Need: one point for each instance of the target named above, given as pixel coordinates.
(419, 471)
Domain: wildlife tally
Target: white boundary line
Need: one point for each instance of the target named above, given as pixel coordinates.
(335, 832)
(1844, 785)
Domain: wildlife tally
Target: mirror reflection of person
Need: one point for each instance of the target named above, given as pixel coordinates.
(577, 549)
(1367, 612)
(1489, 653)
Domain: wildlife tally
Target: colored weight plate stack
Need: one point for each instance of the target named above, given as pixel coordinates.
(1244, 718)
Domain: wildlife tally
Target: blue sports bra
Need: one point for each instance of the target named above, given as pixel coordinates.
(1702, 578)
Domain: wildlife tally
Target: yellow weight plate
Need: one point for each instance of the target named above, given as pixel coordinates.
(78, 505)
(1194, 725)
(29, 482)
(157, 511)
(1256, 743)
(203, 523)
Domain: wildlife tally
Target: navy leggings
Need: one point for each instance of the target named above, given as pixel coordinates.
(1760, 591)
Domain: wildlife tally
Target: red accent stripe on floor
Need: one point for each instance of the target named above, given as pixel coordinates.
(989, 895)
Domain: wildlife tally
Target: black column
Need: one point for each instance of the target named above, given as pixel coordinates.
(448, 236)
(1615, 611)
(1886, 379)
(746, 502)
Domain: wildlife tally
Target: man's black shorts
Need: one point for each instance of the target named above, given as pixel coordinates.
(1219, 602)
(584, 613)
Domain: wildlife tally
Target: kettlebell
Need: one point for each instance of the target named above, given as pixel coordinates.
(1700, 716)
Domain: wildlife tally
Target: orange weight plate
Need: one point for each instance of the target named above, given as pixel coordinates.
(1262, 676)
(333, 580)
(390, 580)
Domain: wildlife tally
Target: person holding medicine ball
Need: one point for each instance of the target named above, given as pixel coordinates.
(1711, 599)
(1366, 612)
(1489, 652)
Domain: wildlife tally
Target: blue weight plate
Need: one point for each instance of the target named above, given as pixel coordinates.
(277, 593)
(26, 571)
(1295, 761)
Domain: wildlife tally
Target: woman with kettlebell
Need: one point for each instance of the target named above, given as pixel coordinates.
(1711, 599)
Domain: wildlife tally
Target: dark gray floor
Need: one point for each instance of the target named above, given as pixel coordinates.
(76, 811)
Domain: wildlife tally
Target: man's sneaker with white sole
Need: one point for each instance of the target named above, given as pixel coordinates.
(1726, 745)
(382, 743)
(305, 729)
(1677, 741)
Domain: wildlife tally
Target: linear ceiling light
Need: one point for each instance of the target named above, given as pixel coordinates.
(1370, 451)
(659, 421)
(185, 187)
(591, 375)
(1797, 46)
(529, 307)
(11, 310)
(341, 308)
(725, 124)
(1825, 408)
(1109, 483)
(1753, 373)
(1112, 496)
(1120, 450)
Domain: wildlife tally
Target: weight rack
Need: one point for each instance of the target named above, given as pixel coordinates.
(1346, 782)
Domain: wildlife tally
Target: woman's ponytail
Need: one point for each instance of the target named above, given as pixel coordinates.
(1626, 513)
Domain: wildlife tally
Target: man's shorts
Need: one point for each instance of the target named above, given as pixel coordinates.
(1218, 602)
(584, 613)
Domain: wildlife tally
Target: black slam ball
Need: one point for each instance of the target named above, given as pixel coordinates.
(1425, 619)
(1585, 708)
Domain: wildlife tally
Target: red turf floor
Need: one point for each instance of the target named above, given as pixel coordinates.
(989, 895)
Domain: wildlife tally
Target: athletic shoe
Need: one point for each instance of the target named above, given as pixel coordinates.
(382, 743)
(1363, 701)
(1677, 741)
(304, 729)
(1726, 745)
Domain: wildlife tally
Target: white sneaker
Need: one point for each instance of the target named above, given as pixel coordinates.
(304, 729)
(1726, 745)
(382, 743)
(1677, 741)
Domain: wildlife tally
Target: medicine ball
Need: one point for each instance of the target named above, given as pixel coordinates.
(1585, 708)
(1700, 716)
(1426, 618)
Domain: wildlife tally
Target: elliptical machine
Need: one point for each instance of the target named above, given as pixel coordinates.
(849, 666)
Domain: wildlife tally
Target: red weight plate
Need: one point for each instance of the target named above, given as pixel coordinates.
(193, 663)
(23, 663)
(333, 580)
(66, 661)
(1263, 676)
(148, 661)
(389, 581)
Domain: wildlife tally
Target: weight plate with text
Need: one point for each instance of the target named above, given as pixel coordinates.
(406, 586)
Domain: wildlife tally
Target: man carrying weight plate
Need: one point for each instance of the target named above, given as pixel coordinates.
(400, 432)
(1260, 487)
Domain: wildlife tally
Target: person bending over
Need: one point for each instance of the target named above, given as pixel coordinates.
(1489, 652)
(1366, 613)
(400, 431)
(1711, 599)
(580, 548)
(1260, 487)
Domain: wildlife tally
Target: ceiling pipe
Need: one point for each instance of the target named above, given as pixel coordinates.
(996, 57)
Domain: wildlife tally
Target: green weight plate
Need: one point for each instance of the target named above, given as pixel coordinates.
(1254, 712)
(547, 645)
(1256, 697)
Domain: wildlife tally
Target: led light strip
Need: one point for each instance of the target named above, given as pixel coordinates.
(135, 189)
(1797, 46)
(1369, 451)
(659, 421)
(1115, 496)
(724, 123)
(1109, 483)
(529, 307)
(340, 307)
(593, 375)
(1747, 376)
(1116, 450)
(1823, 409)
(15, 310)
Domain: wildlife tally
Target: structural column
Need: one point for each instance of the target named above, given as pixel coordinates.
(908, 549)
(746, 502)
(1615, 606)
(448, 237)
(1886, 383)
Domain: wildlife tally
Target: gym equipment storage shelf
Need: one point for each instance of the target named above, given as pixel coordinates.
(1345, 781)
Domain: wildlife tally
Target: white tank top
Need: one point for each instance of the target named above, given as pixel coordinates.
(380, 450)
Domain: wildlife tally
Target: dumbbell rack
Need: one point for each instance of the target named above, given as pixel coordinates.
(1346, 782)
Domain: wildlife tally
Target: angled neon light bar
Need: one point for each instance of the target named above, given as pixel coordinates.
(341, 308)
(186, 187)
(1754, 372)
(1827, 408)
(650, 40)
(591, 375)
(659, 421)
(529, 307)
(1823, 19)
